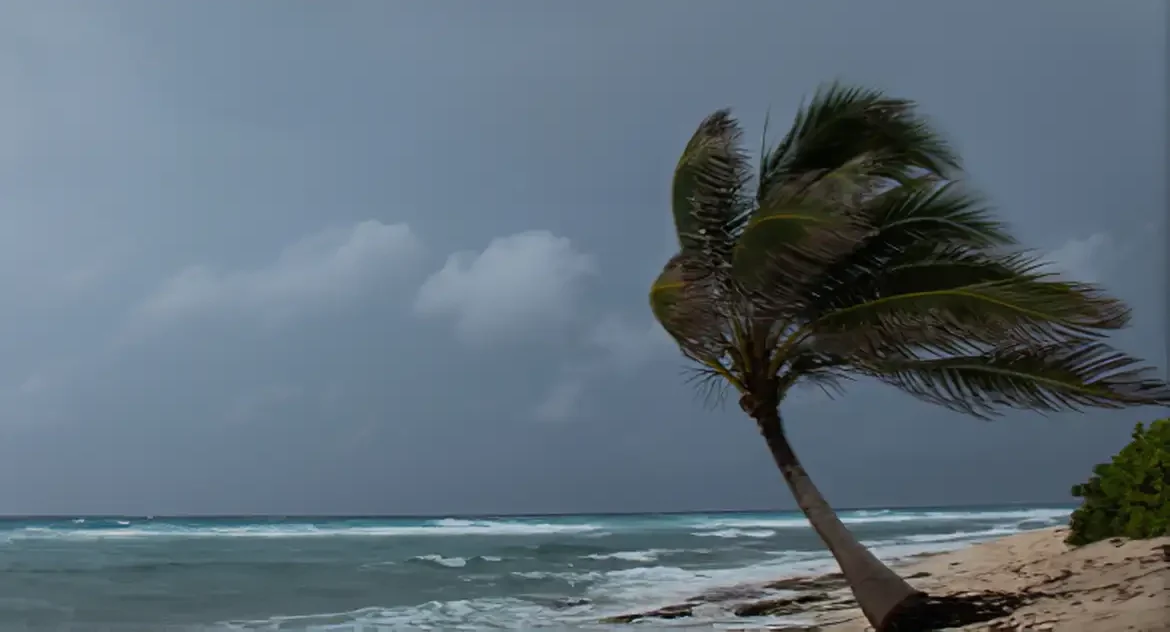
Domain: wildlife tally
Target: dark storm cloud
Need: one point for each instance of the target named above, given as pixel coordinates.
(392, 258)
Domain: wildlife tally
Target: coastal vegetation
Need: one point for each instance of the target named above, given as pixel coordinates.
(1129, 496)
(854, 250)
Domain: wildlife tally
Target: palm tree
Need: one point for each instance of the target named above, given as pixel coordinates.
(855, 251)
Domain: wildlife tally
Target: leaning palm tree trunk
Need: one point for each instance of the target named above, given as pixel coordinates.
(879, 591)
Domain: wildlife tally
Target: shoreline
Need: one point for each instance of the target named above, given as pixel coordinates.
(1111, 586)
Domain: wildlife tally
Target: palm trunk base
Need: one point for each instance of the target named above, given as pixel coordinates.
(879, 591)
(912, 614)
(921, 613)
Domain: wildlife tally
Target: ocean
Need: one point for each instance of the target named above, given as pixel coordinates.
(366, 574)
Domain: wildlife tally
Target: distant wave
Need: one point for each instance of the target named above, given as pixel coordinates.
(931, 541)
(449, 562)
(758, 526)
(888, 516)
(649, 555)
(963, 535)
(444, 527)
(453, 562)
(737, 533)
(554, 550)
(765, 526)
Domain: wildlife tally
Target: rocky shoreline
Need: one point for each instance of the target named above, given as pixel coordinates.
(823, 593)
(1030, 581)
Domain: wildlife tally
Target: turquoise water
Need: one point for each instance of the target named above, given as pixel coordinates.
(562, 573)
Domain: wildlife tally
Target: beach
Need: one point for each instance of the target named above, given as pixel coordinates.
(1107, 586)
(1110, 586)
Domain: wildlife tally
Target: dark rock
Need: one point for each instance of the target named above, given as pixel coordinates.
(570, 603)
(678, 611)
(732, 593)
(831, 581)
(779, 607)
(918, 575)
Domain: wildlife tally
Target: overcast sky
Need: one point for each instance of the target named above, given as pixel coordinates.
(392, 257)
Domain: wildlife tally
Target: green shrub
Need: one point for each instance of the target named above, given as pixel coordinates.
(1130, 496)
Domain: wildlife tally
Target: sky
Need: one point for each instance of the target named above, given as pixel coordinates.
(362, 257)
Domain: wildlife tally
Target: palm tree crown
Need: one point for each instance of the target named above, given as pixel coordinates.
(857, 252)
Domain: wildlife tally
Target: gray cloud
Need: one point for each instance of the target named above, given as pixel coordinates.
(563, 400)
(625, 348)
(518, 284)
(313, 273)
(630, 345)
(1088, 259)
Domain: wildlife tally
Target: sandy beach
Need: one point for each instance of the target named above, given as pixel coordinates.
(1110, 586)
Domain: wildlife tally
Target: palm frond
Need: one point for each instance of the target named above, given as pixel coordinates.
(790, 239)
(955, 302)
(907, 224)
(943, 211)
(690, 308)
(1067, 376)
(842, 123)
(708, 194)
(825, 371)
(780, 237)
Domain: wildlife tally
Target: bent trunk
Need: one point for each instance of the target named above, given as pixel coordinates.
(879, 591)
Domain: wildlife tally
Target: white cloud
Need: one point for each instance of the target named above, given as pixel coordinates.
(518, 283)
(561, 402)
(310, 274)
(629, 345)
(1086, 260)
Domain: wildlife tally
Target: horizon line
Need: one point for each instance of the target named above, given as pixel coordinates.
(389, 516)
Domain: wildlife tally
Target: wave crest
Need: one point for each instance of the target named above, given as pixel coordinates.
(444, 527)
